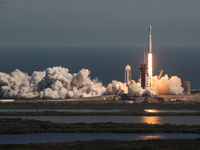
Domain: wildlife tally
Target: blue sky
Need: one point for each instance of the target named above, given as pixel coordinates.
(99, 23)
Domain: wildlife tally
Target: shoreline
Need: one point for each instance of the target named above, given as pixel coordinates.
(94, 104)
(122, 113)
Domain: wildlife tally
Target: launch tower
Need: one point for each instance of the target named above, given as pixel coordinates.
(144, 76)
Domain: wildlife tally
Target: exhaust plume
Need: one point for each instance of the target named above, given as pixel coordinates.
(167, 86)
(58, 83)
(163, 86)
(54, 82)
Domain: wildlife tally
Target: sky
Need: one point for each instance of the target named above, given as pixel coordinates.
(99, 23)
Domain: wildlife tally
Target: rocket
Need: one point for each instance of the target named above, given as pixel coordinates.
(150, 41)
(150, 57)
(147, 68)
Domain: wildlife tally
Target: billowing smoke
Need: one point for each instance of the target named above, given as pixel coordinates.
(164, 86)
(167, 85)
(54, 82)
(57, 82)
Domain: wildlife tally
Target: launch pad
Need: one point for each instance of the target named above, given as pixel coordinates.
(154, 85)
(145, 68)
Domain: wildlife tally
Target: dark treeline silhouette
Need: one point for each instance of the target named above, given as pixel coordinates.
(20, 126)
(109, 145)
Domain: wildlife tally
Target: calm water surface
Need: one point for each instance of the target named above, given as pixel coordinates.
(98, 110)
(170, 111)
(188, 120)
(61, 137)
(65, 110)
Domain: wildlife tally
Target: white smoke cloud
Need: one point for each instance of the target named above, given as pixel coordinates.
(116, 87)
(167, 85)
(58, 83)
(163, 86)
(135, 90)
(54, 82)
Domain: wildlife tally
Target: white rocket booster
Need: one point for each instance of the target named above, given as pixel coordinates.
(150, 41)
(150, 57)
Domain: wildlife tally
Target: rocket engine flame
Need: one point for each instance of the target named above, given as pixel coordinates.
(150, 64)
(150, 68)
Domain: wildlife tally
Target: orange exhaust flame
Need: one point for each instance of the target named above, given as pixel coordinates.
(150, 68)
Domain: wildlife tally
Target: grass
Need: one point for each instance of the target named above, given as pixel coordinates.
(20, 126)
(109, 145)
(134, 112)
(96, 104)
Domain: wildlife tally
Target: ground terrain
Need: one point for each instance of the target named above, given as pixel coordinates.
(109, 145)
(134, 106)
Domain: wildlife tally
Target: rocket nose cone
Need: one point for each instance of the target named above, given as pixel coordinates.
(149, 28)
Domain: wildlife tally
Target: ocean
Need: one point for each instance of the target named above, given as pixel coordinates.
(106, 64)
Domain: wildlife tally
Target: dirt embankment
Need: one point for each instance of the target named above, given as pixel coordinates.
(195, 97)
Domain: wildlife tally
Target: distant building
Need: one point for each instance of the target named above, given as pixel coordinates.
(127, 76)
(6, 100)
(186, 87)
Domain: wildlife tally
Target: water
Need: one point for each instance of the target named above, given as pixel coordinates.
(170, 111)
(179, 120)
(59, 110)
(98, 110)
(61, 137)
(107, 64)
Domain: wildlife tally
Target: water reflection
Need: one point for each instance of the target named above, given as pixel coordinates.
(151, 110)
(187, 120)
(151, 120)
(146, 137)
(169, 111)
(61, 137)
